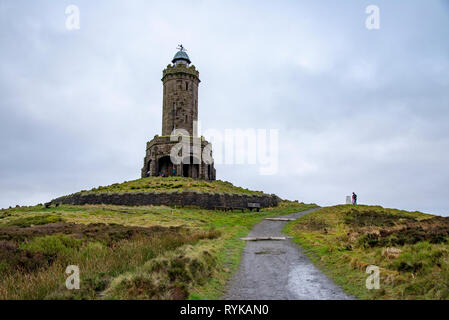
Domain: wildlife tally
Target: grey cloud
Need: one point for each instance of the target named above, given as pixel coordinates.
(357, 110)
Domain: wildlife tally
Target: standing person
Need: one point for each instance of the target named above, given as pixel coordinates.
(354, 199)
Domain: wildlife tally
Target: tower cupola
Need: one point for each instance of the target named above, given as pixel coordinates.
(181, 57)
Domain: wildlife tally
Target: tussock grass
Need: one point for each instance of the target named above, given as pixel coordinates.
(152, 252)
(98, 263)
(167, 277)
(410, 248)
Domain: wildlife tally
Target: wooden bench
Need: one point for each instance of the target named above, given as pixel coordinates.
(223, 208)
(250, 206)
(254, 205)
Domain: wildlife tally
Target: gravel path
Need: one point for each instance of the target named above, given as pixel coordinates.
(279, 270)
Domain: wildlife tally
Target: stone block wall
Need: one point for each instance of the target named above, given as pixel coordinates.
(202, 200)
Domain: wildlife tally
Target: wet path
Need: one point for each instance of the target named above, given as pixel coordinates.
(279, 269)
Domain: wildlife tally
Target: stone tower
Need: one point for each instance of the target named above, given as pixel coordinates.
(179, 115)
(180, 105)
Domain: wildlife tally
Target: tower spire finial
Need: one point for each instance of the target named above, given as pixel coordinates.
(181, 48)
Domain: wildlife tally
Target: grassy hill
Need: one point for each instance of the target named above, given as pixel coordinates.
(152, 252)
(173, 184)
(410, 248)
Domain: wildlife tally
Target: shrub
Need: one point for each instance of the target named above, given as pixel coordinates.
(53, 244)
(313, 224)
(167, 277)
(13, 259)
(381, 218)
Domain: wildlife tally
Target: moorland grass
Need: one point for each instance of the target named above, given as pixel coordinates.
(193, 259)
(173, 184)
(410, 248)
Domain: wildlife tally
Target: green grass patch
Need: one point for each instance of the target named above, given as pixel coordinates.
(173, 184)
(149, 252)
(410, 248)
(35, 220)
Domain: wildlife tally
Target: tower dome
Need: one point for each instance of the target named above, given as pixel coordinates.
(181, 56)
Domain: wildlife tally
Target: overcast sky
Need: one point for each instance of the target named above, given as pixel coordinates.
(357, 110)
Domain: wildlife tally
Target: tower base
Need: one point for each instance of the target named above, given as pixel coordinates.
(157, 161)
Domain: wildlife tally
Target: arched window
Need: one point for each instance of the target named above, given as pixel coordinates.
(187, 86)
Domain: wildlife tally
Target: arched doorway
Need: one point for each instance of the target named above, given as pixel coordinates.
(165, 166)
(191, 167)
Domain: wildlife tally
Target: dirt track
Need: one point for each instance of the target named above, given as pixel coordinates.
(279, 270)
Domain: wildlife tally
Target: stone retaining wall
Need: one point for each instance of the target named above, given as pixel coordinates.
(202, 200)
